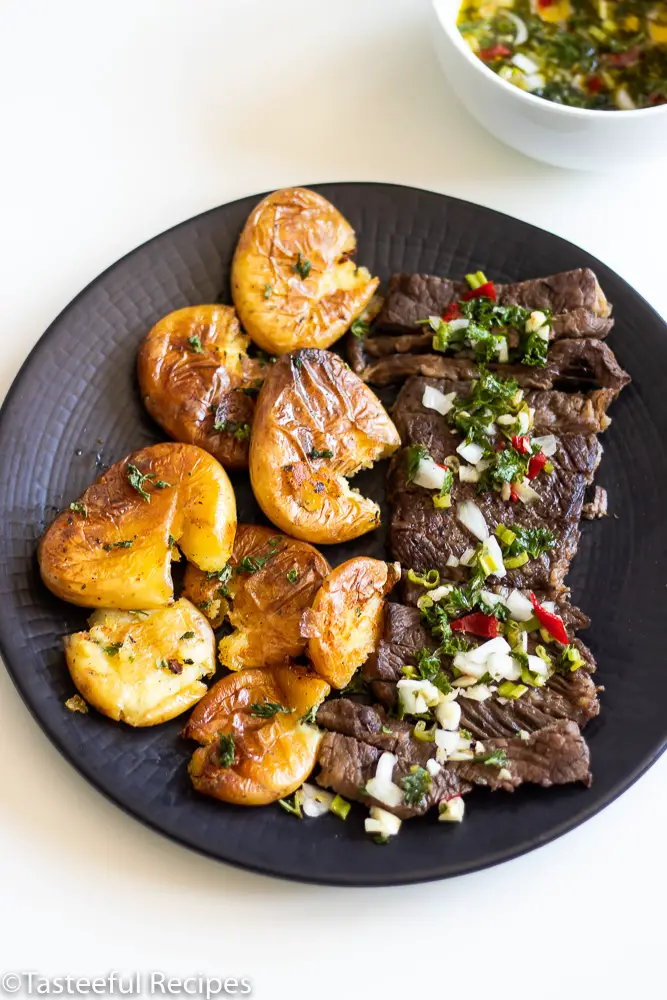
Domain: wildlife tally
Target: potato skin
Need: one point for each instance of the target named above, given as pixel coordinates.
(345, 622)
(311, 400)
(83, 559)
(188, 391)
(280, 305)
(264, 606)
(128, 684)
(273, 756)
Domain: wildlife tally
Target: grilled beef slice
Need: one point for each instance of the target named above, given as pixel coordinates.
(569, 696)
(575, 298)
(555, 755)
(571, 364)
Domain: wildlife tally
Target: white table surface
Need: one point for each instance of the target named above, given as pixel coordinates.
(119, 120)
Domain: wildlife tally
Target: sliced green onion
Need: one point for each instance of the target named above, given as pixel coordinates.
(424, 735)
(531, 679)
(515, 561)
(424, 602)
(428, 580)
(543, 655)
(505, 536)
(510, 690)
(572, 657)
(293, 809)
(340, 807)
(548, 466)
(442, 500)
(410, 672)
(546, 636)
(477, 279)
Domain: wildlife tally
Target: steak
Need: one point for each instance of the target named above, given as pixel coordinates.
(565, 696)
(571, 364)
(597, 506)
(556, 755)
(578, 304)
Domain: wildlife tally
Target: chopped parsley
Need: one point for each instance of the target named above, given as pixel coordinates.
(267, 709)
(310, 717)
(294, 807)
(186, 635)
(79, 508)
(240, 430)
(533, 541)
(360, 327)
(222, 575)
(268, 291)
(227, 750)
(111, 649)
(413, 457)
(302, 267)
(119, 545)
(136, 479)
(292, 575)
(415, 785)
(195, 344)
(314, 453)
(494, 758)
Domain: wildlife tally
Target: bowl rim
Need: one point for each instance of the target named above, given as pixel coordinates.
(441, 9)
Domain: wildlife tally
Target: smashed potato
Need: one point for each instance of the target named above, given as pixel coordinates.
(293, 282)
(257, 745)
(315, 424)
(344, 625)
(199, 384)
(145, 667)
(113, 547)
(272, 579)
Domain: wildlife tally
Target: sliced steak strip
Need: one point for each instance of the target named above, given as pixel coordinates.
(347, 764)
(571, 364)
(371, 724)
(571, 696)
(575, 298)
(555, 412)
(556, 755)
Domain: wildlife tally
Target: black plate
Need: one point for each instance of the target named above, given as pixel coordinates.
(75, 408)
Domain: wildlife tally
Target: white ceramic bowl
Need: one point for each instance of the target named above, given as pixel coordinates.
(555, 133)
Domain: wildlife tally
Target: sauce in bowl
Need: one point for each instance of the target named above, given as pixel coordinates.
(597, 54)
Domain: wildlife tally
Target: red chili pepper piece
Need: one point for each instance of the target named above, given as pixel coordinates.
(453, 312)
(536, 464)
(500, 446)
(441, 466)
(545, 3)
(488, 290)
(594, 84)
(493, 52)
(551, 622)
(485, 626)
(522, 443)
(623, 59)
(513, 493)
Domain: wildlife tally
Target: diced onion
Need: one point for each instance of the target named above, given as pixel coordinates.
(468, 474)
(433, 399)
(493, 556)
(502, 350)
(439, 592)
(381, 787)
(623, 100)
(461, 755)
(315, 801)
(520, 608)
(452, 561)
(467, 557)
(531, 82)
(433, 767)
(458, 324)
(471, 451)
(448, 714)
(465, 681)
(538, 666)
(526, 493)
(417, 696)
(525, 64)
(522, 642)
(520, 25)
(548, 444)
(535, 321)
(502, 666)
(490, 598)
(505, 419)
(480, 692)
(429, 475)
(523, 420)
(472, 518)
(481, 653)
(382, 823)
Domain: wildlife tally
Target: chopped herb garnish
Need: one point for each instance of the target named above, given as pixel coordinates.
(119, 545)
(302, 267)
(195, 344)
(251, 564)
(268, 291)
(294, 807)
(314, 453)
(309, 718)
(111, 649)
(292, 575)
(360, 327)
(414, 455)
(79, 508)
(240, 431)
(415, 785)
(227, 750)
(187, 635)
(494, 758)
(267, 709)
(298, 363)
(137, 479)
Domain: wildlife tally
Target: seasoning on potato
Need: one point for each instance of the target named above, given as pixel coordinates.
(199, 384)
(345, 622)
(293, 282)
(142, 667)
(113, 547)
(258, 743)
(271, 578)
(316, 424)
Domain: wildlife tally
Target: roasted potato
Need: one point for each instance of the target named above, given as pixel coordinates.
(145, 667)
(293, 282)
(257, 745)
(272, 579)
(113, 547)
(199, 384)
(344, 624)
(316, 423)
